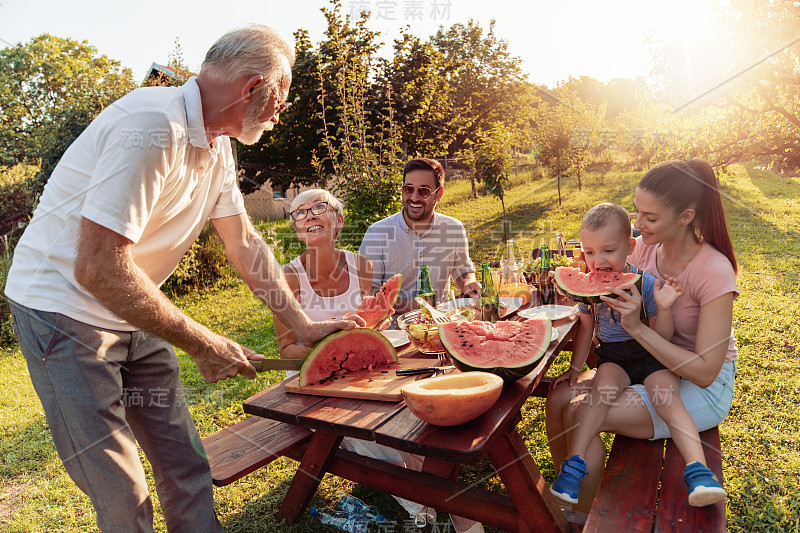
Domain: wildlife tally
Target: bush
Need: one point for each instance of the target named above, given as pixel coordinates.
(17, 196)
(203, 265)
(7, 338)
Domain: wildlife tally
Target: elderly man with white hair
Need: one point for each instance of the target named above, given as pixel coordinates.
(126, 201)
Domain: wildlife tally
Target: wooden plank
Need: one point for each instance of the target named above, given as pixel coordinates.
(626, 499)
(349, 418)
(674, 511)
(276, 404)
(525, 484)
(381, 383)
(246, 446)
(444, 494)
(318, 455)
(466, 443)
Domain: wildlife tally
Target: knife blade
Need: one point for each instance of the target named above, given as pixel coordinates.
(277, 364)
(423, 370)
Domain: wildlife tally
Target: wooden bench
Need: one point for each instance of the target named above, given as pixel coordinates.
(642, 489)
(237, 450)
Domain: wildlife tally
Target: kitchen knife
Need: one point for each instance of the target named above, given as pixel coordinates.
(277, 364)
(423, 370)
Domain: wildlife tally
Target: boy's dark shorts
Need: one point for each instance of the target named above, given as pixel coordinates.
(634, 360)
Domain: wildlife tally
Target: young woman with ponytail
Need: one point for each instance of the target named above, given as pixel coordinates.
(683, 235)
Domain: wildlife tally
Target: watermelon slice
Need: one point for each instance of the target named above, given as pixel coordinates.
(509, 349)
(375, 309)
(346, 351)
(588, 288)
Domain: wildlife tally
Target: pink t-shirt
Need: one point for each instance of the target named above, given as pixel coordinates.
(708, 276)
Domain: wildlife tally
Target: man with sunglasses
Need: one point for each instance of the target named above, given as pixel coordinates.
(123, 205)
(418, 235)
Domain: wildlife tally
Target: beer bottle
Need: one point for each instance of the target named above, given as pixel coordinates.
(547, 293)
(425, 290)
(490, 303)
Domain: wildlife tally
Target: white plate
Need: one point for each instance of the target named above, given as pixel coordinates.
(553, 312)
(397, 337)
(512, 303)
(554, 335)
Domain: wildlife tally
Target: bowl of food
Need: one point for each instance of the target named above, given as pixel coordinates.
(422, 331)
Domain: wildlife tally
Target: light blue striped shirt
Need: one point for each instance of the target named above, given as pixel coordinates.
(393, 248)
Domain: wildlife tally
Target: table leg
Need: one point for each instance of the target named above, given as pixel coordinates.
(525, 485)
(320, 451)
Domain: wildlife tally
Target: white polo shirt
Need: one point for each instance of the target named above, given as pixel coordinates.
(144, 169)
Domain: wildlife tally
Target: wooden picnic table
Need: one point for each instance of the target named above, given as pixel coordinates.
(528, 505)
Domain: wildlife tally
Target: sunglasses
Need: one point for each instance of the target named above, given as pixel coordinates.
(422, 192)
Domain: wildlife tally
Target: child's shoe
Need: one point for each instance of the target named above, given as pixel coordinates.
(568, 483)
(704, 489)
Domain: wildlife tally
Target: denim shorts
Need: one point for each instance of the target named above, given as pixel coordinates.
(708, 406)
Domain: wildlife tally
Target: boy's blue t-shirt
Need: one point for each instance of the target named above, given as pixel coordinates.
(609, 321)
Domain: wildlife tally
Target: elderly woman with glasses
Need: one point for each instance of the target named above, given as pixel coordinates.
(328, 282)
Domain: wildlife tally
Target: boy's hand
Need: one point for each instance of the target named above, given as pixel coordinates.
(665, 296)
(570, 375)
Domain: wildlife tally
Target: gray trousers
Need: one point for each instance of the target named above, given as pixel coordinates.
(100, 390)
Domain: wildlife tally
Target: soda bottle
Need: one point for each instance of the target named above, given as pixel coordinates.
(547, 293)
(425, 290)
(341, 520)
(353, 506)
(490, 302)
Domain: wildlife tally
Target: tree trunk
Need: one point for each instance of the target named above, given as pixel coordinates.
(559, 190)
(580, 186)
(505, 222)
(474, 188)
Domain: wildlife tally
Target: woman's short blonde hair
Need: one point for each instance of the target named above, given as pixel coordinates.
(322, 195)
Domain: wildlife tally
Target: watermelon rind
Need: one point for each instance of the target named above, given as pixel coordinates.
(563, 274)
(448, 333)
(376, 309)
(365, 343)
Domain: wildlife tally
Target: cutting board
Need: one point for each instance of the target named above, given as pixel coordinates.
(381, 383)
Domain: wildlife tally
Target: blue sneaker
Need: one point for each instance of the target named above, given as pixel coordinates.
(704, 488)
(568, 483)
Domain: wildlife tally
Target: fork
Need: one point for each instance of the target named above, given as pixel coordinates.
(437, 316)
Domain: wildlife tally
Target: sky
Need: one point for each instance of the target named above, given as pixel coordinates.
(555, 39)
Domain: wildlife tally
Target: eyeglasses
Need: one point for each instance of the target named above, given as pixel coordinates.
(317, 209)
(280, 108)
(423, 192)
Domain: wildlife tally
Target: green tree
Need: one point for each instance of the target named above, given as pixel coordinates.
(421, 96)
(489, 87)
(359, 146)
(50, 89)
(492, 162)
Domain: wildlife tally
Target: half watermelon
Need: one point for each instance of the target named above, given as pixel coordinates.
(375, 309)
(510, 350)
(346, 351)
(588, 288)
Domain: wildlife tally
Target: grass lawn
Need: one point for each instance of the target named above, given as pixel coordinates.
(760, 438)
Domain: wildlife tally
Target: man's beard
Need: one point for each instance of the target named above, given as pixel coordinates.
(252, 127)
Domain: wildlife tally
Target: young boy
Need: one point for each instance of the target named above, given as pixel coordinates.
(606, 241)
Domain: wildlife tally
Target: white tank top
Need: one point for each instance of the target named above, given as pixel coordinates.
(334, 307)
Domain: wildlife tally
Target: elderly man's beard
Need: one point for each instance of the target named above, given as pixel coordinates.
(252, 127)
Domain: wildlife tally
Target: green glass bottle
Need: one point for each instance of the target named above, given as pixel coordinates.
(547, 292)
(490, 303)
(425, 290)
